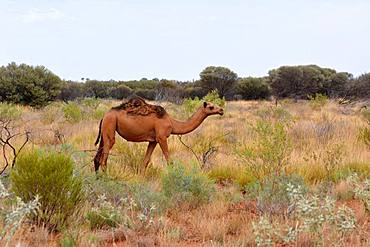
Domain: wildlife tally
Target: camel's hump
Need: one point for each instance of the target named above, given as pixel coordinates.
(138, 106)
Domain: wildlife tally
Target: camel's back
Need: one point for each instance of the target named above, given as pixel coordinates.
(137, 106)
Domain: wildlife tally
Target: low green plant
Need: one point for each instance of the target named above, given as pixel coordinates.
(269, 154)
(52, 113)
(16, 214)
(272, 196)
(49, 175)
(274, 114)
(103, 215)
(10, 112)
(310, 214)
(181, 184)
(361, 189)
(318, 100)
(72, 112)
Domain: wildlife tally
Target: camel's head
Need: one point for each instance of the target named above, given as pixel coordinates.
(211, 109)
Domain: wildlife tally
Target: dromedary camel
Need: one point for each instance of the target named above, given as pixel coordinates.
(138, 121)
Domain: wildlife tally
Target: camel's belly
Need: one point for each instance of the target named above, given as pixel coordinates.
(136, 131)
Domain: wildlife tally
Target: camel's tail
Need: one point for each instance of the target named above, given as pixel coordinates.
(99, 134)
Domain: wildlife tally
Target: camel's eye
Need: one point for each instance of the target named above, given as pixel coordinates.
(211, 108)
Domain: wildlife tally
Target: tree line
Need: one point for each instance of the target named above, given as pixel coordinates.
(37, 86)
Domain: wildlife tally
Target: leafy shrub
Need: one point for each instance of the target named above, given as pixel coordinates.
(186, 185)
(279, 114)
(15, 216)
(103, 215)
(131, 158)
(318, 100)
(310, 215)
(72, 112)
(9, 112)
(269, 154)
(49, 175)
(52, 113)
(361, 189)
(272, 196)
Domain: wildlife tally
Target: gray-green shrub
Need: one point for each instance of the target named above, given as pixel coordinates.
(72, 112)
(49, 175)
(181, 184)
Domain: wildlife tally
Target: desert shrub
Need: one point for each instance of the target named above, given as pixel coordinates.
(15, 215)
(131, 158)
(347, 169)
(104, 214)
(72, 112)
(272, 196)
(146, 197)
(230, 173)
(9, 112)
(181, 185)
(269, 154)
(52, 113)
(310, 215)
(49, 175)
(279, 114)
(361, 189)
(318, 100)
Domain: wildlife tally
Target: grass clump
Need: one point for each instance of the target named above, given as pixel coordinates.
(181, 184)
(318, 100)
(72, 112)
(50, 176)
(10, 112)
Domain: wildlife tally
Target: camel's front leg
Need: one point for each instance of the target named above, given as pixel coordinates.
(148, 154)
(163, 144)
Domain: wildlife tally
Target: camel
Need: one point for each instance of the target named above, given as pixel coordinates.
(138, 121)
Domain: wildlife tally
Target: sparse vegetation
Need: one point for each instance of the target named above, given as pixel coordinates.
(280, 175)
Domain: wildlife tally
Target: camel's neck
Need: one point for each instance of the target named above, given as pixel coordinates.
(180, 127)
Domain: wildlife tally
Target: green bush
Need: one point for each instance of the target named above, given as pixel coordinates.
(318, 100)
(72, 112)
(103, 215)
(269, 154)
(181, 185)
(49, 175)
(272, 195)
(9, 112)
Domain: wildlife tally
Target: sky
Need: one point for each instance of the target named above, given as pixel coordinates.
(125, 40)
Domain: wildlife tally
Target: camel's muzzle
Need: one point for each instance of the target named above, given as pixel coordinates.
(221, 112)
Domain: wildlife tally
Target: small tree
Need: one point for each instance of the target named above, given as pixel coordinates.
(220, 78)
(28, 85)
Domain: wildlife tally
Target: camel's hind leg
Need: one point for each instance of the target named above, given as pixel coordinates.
(148, 154)
(107, 141)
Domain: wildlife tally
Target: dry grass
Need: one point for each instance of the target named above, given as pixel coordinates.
(325, 143)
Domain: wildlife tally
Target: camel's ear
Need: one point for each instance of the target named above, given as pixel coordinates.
(204, 104)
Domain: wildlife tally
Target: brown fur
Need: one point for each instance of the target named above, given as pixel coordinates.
(138, 121)
(138, 106)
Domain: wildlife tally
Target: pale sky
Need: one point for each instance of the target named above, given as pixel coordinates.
(125, 40)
